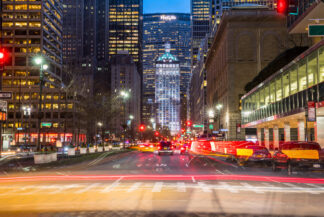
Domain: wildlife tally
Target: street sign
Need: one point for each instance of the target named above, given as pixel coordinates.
(315, 30)
(3, 105)
(198, 126)
(311, 111)
(5, 95)
(46, 124)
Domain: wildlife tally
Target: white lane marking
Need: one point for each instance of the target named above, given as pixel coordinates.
(61, 188)
(157, 187)
(308, 190)
(252, 188)
(181, 187)
(193, 179)
(219, 171)
(87, 188)
(268, 184)
(315, 186)
(134, 187)
(204, 187)
(112, 186)
(228, 187)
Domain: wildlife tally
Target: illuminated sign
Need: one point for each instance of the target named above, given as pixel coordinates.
(168, 17)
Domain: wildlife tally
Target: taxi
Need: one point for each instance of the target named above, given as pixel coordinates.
(298, 155)
(147, 147)
(247, 153)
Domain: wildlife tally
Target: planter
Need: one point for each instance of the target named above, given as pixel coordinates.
(91, 150)
(42, 158)
(100, 149)
(71, 151)
(107, 148)
(53, 157)
(83, 150)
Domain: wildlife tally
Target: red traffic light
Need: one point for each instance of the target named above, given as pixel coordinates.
(189, 123)
(2, 55)
(282, 6)
(142, 127)
(183, 130)
(156, 133)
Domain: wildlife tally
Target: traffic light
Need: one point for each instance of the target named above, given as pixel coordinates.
(189, 123)
(156, 133)
(282, 6)
(183, 130)
(287, 7)
(142, 127)
(3, 57)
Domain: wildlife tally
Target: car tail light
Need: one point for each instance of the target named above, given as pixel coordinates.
(159, 147)
(171, 147)
(269, 155)
(282, 155)
(182, 148)
(151, 146)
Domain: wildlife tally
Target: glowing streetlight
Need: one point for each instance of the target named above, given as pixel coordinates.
(38, 60)
(211, 113)
(131, 117)
(219, 106)
(152, 120)
(99, 124)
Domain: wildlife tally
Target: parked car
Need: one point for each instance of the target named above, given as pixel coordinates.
(298, 155)
(165, 148)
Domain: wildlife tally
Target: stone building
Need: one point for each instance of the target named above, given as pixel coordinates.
(248, 38)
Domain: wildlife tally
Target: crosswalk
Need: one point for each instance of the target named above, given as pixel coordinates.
(160, 186)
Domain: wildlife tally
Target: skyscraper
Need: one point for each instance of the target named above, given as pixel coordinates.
(125, 28)
(201, 13)
(158, 29)
(31, 29)
(167, 91)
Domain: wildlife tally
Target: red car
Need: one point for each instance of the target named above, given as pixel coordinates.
(301, 155)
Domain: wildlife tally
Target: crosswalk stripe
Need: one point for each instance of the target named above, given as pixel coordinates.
(204, 187)
(253, 188)
(61, 188)
(228, 187)
(157, 187)
(87, 188)
(181, 187)
(111, 187)
(301, 188)
(134, 187)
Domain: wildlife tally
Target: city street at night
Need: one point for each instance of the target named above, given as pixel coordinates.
(139, 183)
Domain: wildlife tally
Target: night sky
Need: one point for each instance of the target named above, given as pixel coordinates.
(163, 6)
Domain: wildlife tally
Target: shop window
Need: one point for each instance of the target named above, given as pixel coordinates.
(321, 64)
(55, 106)
(266, 95)
(48, 106)
(312, 69)
(285, 84)
(272, 91)
(262, 103)
(278, 89)
(302, 79)
(293, 80)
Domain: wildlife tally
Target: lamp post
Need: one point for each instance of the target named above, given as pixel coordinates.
(219, 108)
(100, 130)
(125, 94)
(40, 61)
(26, 110)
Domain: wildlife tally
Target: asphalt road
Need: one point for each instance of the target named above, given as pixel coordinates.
(144, 184)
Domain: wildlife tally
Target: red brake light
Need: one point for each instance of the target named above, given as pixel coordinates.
(159, 147)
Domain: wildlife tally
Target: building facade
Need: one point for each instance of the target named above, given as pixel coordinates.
(246, 41)
(159, 29)
(289, 104)
(167, 92)
(126, 89)
(33, 29)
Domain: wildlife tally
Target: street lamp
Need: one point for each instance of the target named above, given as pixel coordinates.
(38, 60)
(211, 113)
(219, 108)
(131, 117)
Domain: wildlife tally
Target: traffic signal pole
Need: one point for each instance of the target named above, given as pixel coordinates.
(1, 73)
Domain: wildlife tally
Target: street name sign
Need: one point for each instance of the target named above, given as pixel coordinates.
(5, 95)
(198, 125)
(315, 30)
